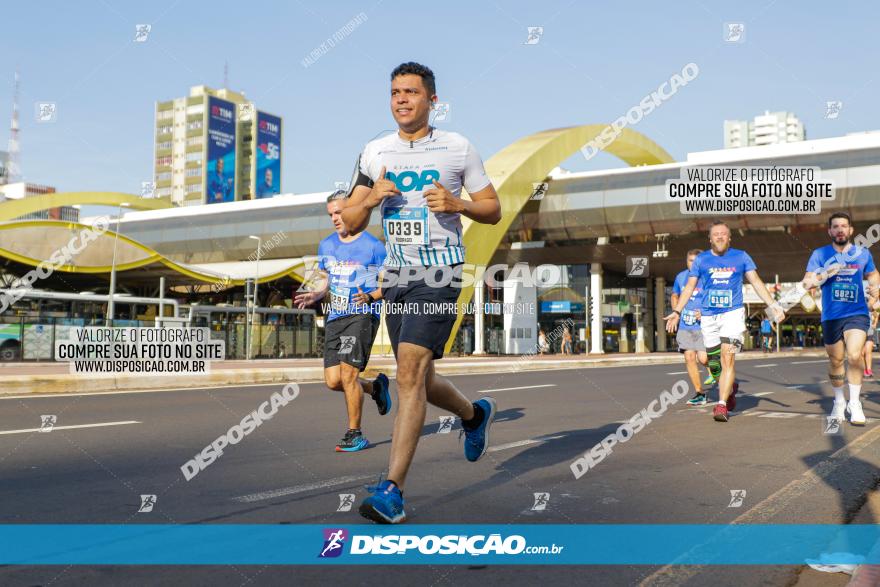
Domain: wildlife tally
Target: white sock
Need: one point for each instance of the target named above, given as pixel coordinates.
(838, 394)
(722, 403)
(854, 393)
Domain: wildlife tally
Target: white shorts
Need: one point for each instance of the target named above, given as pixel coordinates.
(727, 327)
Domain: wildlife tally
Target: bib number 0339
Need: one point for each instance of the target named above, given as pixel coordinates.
(407, 226)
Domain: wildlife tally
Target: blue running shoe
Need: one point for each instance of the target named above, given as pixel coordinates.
(381, 395)
(476, 441)
(385, 506)
(353, 441)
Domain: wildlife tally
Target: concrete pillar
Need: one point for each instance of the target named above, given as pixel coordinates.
(660, 311)
(479, 322)
(650, 339)
(596, 303)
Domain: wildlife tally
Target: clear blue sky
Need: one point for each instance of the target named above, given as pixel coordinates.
(594, 61)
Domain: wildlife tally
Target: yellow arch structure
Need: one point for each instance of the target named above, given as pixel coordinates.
(12, 209)
(515, 168)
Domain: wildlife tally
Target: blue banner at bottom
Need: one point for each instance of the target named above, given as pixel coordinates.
(606, 544)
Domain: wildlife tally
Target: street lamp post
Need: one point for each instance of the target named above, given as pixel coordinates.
(253, 311)
(111, 307)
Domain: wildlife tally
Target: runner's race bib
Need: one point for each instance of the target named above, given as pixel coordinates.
(406, 226)
(339, 297)
(720, 298)
(844, 292)
(689, 317)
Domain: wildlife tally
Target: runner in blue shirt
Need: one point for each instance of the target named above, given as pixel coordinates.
(839, 269)
(690, 337)
(348, 266)
(766, 335)
(720, 271)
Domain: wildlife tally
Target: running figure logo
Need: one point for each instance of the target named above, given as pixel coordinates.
(147, 503)
(737, 496)
(346, 344)
(734, 32)
(637, 266)
(46, 111)
(832, 425)
(535, 33)
(148, 189)
(539, 190)
(141, 32)
(441, 112)
(346, 500)
(245, 112)
(334, 541)
(47, 422)
(445, 424)
(832, 109)
(541, 501)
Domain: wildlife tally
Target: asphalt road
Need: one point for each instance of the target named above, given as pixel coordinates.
(679, 469)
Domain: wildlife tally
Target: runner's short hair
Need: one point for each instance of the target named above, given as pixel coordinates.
(694, 252)
(413, 68)
(839, 215)
(719, 223)
(337, 195)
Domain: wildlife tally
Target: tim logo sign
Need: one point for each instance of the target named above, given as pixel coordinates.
(221, 112)
(334, 541)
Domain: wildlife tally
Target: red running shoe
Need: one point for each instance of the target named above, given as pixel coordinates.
(731, 399)
(720, 413)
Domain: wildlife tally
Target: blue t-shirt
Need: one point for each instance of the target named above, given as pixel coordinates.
(722, 279)
(689, 320)
(844, 293)
(350, 265)
(766, 326)
(219, 184)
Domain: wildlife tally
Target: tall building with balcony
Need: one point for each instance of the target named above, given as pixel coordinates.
(770, 128)
(215, 146)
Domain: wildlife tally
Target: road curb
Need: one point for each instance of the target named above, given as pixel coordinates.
(65, 383)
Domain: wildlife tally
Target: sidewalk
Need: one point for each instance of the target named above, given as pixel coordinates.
(24, 378)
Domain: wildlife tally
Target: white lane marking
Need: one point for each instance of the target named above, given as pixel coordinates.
(767, 365)
(526, 442)
(761, 393)
(513, 445)
(252, 497)
(794, 387)
(808, 362)
(782, 415)
(515, 388)
(98, 425)
(678, 373)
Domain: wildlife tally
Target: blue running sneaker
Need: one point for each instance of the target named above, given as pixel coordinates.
(381, 395)
(385, 506)
(476, 441)
(353, 441)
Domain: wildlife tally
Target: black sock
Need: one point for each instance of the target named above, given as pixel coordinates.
(471, 424)
(375, 389)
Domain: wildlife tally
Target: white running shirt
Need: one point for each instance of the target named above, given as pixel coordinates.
(414, 236)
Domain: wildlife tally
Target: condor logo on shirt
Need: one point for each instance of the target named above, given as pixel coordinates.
(850, 269)
(408, 181)
(721, 272)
